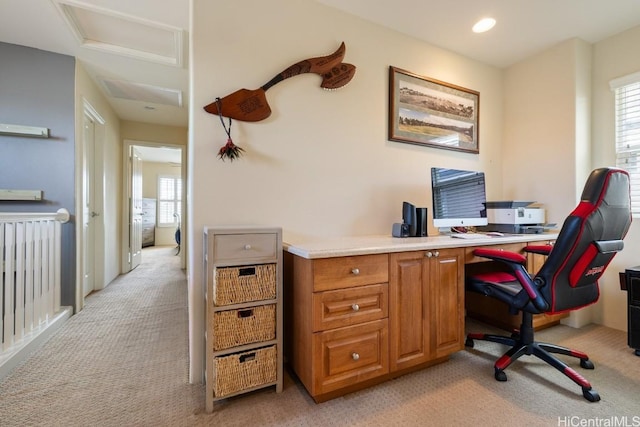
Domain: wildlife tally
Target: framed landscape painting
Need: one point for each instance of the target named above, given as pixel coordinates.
(429, 112)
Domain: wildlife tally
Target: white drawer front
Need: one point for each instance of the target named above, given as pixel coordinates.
(245, 247)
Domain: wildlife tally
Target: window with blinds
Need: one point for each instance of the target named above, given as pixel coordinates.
(627, 113)
(169, 200)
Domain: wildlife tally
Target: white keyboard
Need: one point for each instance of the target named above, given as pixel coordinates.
(469, 235)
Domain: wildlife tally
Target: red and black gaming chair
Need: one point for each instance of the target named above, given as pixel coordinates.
(589, 239)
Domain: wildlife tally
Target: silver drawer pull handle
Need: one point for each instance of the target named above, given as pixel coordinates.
(355, 356)
(355, 307)
(355, 271)
(247, 247)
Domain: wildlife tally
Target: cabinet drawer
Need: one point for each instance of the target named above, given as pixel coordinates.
(350, 355)
(244, 247)
(511, 247)
(345, 272)
(149, 204)
(345, 307)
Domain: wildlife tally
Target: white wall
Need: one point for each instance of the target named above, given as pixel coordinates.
(545, 128)
(547, 133)
(565, 128)
(321, 165)
(614, 57)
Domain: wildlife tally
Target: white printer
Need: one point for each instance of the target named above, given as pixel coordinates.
(515, 217)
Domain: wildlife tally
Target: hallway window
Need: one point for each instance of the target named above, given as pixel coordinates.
(169, 200)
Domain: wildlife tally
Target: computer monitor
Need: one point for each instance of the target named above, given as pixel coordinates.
(459, 198)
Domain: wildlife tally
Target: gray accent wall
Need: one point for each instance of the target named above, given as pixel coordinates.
(37, 89)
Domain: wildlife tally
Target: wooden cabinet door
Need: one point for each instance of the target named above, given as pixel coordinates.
(426, 303)
(446, 297)
(408, 310)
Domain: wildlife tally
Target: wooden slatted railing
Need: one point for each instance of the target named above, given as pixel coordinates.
(30, 262)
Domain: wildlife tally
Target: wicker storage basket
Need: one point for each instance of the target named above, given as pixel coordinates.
(243, 326)
(235, 285)
(241, 371)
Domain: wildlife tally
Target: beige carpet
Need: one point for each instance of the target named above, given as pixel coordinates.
(123, 361)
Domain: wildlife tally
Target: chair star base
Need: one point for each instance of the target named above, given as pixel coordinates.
(523, 344)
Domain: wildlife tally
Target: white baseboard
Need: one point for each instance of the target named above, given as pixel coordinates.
(21, 351)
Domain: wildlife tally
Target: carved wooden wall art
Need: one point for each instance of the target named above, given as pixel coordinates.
(252, 106)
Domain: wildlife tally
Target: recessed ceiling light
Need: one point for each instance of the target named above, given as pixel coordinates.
(485, 24)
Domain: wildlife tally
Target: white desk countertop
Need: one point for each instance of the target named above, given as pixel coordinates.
(364, 245)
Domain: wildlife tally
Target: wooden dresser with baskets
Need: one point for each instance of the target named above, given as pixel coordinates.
(243, 272)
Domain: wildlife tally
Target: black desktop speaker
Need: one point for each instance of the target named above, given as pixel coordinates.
(421, 222)
(400, 230)
(409, 217)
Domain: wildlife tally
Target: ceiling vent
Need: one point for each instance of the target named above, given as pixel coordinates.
(117, 33)
(141, 92)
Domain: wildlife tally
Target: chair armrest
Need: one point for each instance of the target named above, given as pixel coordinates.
(517, 262)
(539, 249)
(498, 255)
(609, 246)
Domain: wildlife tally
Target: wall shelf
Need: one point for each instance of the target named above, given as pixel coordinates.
(21, 195)
(28, 131)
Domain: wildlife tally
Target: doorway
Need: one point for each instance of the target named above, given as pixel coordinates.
(158, 180)
(88, 206)
(90, 228)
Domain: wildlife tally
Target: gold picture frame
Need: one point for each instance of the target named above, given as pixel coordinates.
(429, 112)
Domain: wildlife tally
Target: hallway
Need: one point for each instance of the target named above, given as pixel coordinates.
(123, 360)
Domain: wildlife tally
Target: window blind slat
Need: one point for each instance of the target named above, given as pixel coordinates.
(627, 129)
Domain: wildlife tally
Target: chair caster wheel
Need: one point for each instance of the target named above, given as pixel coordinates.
(586, 364)
(468, 343)
(500, 375)
(591, 395)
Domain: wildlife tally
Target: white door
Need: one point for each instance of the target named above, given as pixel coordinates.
(135, 209)
(88, 209)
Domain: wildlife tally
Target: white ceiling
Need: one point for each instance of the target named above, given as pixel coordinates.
(142, 32)
(524, 27)
(160, 154)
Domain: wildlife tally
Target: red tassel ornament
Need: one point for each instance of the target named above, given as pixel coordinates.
(230, 151)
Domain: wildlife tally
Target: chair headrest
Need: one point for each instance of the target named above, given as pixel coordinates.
(608, 185)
